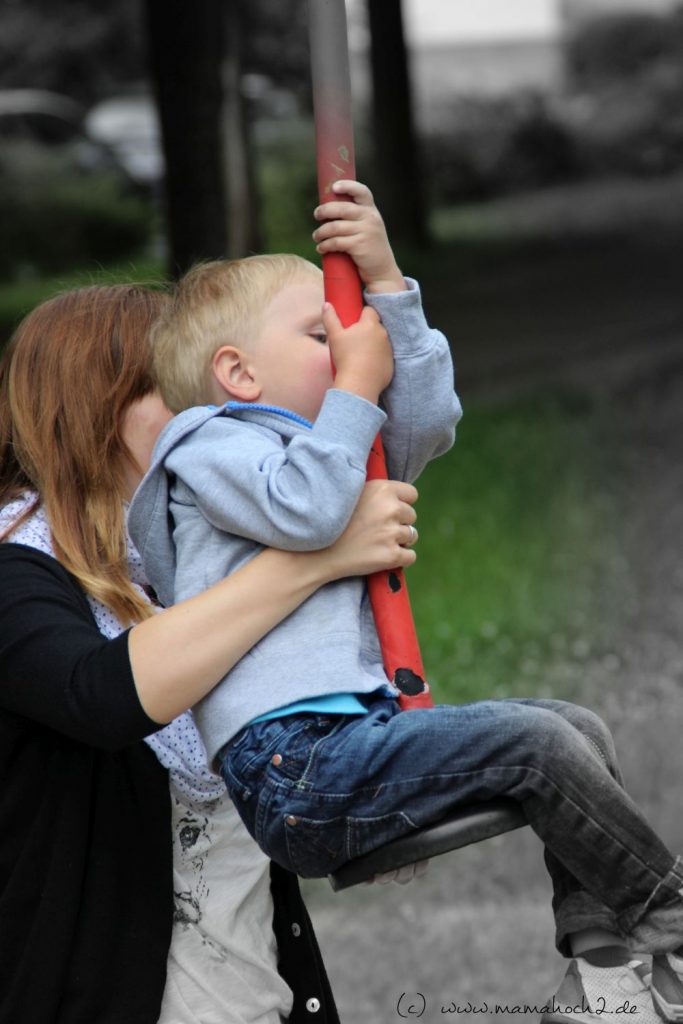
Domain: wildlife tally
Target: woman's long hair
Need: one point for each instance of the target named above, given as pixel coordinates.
(70, 371)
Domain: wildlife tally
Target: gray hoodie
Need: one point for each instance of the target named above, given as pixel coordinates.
(226, 482)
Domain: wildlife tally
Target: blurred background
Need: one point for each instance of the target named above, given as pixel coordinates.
(528, 158)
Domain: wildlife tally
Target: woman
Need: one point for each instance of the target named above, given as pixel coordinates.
(88, 672)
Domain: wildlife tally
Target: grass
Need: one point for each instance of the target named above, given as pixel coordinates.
(519, 565)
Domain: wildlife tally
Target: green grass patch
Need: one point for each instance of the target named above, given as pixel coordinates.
(519, 565)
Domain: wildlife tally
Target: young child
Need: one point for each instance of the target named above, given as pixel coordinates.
(279, 457)
(306, 730)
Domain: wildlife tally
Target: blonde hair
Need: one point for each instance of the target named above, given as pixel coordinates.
(72, 368)
(215, 304)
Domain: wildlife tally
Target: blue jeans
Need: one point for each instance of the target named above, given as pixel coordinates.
(316, 791)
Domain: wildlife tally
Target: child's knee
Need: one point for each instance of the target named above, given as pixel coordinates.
(537, 735)
(594, 730)
(554, 743)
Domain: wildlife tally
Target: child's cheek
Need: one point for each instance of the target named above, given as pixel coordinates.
(319, 379)
(323, 376)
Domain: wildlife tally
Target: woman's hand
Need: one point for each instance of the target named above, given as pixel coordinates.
(380, 533)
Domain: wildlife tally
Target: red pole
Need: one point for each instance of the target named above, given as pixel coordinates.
(335, 161)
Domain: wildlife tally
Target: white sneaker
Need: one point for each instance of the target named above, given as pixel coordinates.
(667, 986)
(591, 995)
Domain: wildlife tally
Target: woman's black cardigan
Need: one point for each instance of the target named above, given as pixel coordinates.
(86, 891)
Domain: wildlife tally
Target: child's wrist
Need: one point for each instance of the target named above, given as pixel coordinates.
(357, 384)
(392, 281)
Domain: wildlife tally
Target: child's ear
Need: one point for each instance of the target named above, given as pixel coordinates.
(235, 374)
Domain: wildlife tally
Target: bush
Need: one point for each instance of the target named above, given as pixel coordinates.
(53, 218)
(626, 72)
(492, 146)
(632, 128)
(617, 47)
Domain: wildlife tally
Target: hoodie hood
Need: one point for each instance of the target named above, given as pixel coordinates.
(149, 520)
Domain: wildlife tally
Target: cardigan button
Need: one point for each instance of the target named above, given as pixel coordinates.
(313, 1005)
(291, 820)
(296, 930)
(276, 759)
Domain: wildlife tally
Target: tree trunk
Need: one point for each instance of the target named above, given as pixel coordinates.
(186, 47)
(244, 229)
(399, 184)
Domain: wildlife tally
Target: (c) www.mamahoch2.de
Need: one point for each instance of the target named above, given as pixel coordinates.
(414, 1004)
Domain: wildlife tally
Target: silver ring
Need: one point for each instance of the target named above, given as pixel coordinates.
(413, 537)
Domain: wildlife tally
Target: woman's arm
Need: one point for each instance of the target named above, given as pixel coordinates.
(180, 654)
(57, 670)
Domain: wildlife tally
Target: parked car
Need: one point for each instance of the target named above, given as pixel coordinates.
(130, 127)
(36, 120)
(66, 200)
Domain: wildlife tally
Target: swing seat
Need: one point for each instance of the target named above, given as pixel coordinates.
(462, 828)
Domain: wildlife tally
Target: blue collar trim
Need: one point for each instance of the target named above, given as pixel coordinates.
(286, 413)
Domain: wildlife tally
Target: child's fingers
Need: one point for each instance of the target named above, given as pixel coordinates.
(338, 211)
(360, 192)
(402, 875)
(369, 316)
(331, 321)
(337, 227)
(338, 243)
(334, 228)
(333, 325)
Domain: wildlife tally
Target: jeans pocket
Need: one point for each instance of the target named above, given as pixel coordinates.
(317, 847)
(369, 833)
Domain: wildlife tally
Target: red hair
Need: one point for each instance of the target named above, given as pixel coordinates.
(68, 374)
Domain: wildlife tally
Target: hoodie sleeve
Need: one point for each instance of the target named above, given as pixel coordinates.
(298, 496)
(421, 404)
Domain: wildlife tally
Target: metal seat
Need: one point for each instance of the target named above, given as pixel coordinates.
(462, 828)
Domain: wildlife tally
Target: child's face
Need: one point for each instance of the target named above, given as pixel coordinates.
(291, 354)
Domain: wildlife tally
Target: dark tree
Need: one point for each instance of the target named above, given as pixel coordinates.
(82, 48)
(186, 48)
(275, 43)
(398, 180)
(244, 227)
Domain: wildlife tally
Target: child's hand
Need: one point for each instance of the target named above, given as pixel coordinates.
(361, 353)
(353, 225)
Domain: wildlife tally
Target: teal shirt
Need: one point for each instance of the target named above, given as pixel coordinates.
(331, 704)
